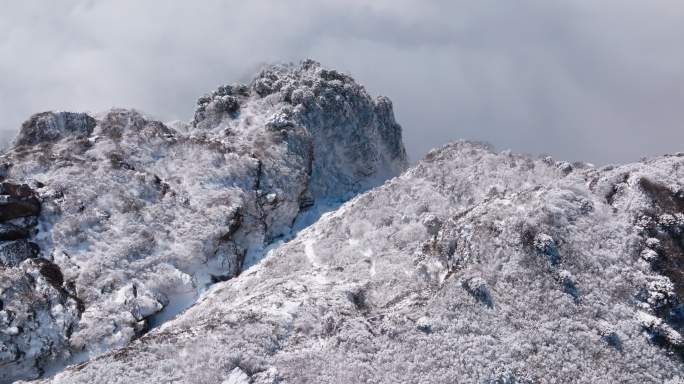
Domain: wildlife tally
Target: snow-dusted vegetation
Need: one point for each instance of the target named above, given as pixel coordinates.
(137, 218)
(471, 267)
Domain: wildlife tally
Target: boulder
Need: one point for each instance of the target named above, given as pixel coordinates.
(17, 200)
(12, 253)
(10, 231)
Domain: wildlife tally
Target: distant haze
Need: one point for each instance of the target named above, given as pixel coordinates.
(601, 81)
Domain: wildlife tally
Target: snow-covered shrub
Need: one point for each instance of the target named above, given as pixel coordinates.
(546, 246)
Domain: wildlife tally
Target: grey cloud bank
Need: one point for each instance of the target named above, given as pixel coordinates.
(581, 80)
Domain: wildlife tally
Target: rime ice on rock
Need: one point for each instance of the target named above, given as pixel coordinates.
(37, 311)
(547, 247)
(479, 289)
(139, 217)
(49, 127)
(374, 292)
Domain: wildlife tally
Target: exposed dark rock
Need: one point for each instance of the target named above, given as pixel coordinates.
(433, 224)
(423, 324)
(48, 127)
(610, 336)
(663, 227)
(119, 120)
(26, 222)
(358, 299)
(117, 162)
(616, 188)
(12, 207)
(479, 289)
(17, 200)
(52, 274)
(390, 132)
(16, 190)
(225, 101)
(14, 252)
(305, 200)
(546, 246)
(10, 231)
(569, 285)
(664, 198)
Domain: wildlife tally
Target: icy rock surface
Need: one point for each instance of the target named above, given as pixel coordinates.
(137, 217)
(36, 311)
(471, 267)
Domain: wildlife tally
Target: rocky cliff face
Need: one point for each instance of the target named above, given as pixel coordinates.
(473, 266)
(33, 297)
(112, 223)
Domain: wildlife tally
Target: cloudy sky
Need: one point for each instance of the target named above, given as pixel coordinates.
(601, 81)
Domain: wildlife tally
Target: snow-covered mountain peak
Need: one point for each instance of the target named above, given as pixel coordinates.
(335, 110)
(139, 217)
(472, 266)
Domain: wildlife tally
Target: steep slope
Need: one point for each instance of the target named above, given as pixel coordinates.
(472, 267)
(136, 218)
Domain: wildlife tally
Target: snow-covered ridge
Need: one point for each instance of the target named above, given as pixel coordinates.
(138, 217)
(472, 267)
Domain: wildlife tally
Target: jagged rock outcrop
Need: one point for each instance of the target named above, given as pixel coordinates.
(37, 313)
(472, 267)
(49, 127)
(137, 217)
